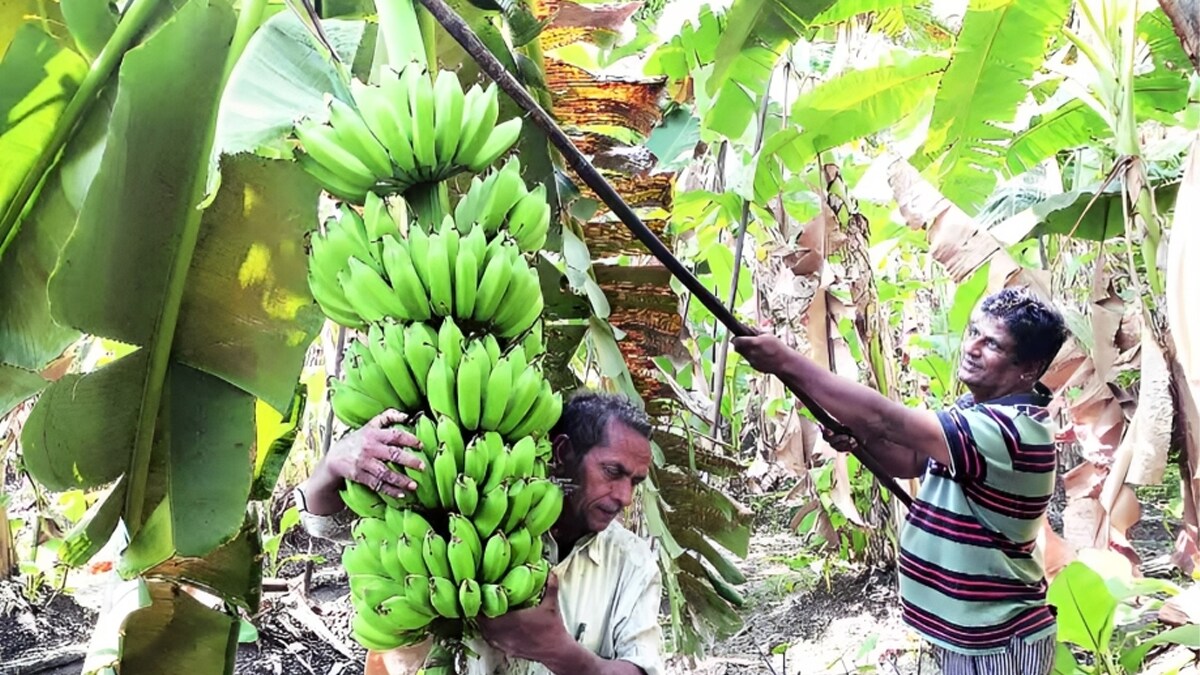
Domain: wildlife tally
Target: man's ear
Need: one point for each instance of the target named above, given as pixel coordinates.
(564, 451)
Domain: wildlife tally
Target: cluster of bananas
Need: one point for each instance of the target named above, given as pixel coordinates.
(408, 129)
(449, 314)
(405, 573)
(365, 269)
(469, 383)
(502, 199)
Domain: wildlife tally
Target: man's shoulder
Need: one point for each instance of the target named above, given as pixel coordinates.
(618, 542)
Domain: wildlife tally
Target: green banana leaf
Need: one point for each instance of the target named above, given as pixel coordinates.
(852, 106)
(215, 300)
(1069, 126)
(1000, 46)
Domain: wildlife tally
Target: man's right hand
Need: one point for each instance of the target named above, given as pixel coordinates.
(360, 455)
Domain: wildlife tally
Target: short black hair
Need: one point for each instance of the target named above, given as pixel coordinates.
(1037, 328)
(586, 415)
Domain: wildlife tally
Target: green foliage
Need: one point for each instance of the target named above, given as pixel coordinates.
(1000, 46)
(1097, 615)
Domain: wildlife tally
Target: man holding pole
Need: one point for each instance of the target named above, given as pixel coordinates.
(970, 583)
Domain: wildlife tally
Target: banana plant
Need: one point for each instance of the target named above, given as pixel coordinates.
(120, 225)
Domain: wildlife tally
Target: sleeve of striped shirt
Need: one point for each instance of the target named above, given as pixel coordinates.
(981, 439)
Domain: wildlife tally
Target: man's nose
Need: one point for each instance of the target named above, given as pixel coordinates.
(623, 493)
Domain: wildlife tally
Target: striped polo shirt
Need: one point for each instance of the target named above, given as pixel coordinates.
(969, 579)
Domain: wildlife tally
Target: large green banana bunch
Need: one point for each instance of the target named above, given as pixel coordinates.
(448, 314)
(409, 128)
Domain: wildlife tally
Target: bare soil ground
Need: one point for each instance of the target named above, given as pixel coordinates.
(795, 621)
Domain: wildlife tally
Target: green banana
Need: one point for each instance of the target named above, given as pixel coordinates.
(461, 527)
(361, 559)
(369, 294)
(449, 102)
(497, 555)
(401, 615)
(518, 585)
(441, 271)
(352, 130)
(445, 471)
(495, 600)
(524, 396)
(521, 456)
(492, 508)
(320, 142)
(407, 286)
(520, 541)
(475, 463)
(362, 500)
(466, 495)
(493, 349)
(378, 113)
(483, 114)
(444, 596)
(462, 560)
(391, 360)
(420, 99)
(411, 554)
(497, 275)
(497, 472)
(469, 386)
(450, 437)
(433, 551)
(519, 499)
(374, 529)
(536, 549)
(529, 220)
(418, 249)
(506, 189)
(450, 343)
(352, 406)
(466, 283)
(372, 637)
(340, 186)
(543, 414)
(545, 511)
(414, 525)
(470, 598)
(500, 140)
(416, 590)
(420, 351)
(495, 395)
(439, 389)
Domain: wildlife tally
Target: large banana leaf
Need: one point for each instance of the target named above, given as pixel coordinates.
(852, 106)
(756, 33)
(215, 301)
(38, 76)
(1000, 46)
(1070, 126)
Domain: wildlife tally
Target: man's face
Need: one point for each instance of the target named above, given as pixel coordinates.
(606, 477)
(988, 365)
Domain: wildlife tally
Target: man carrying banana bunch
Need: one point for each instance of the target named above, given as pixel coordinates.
(599, 614)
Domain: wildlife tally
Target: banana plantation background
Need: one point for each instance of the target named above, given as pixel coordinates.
(853, 175)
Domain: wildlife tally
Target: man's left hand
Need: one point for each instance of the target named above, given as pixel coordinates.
(513, 633)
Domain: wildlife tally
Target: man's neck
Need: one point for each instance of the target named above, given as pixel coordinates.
(566, 537)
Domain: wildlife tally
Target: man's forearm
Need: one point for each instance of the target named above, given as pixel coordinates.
(321, 492)
(870, 415)
(575, 659)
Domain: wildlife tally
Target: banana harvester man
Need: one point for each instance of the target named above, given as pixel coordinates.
(599, 613)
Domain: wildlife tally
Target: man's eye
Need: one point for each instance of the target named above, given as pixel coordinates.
(612, 472)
